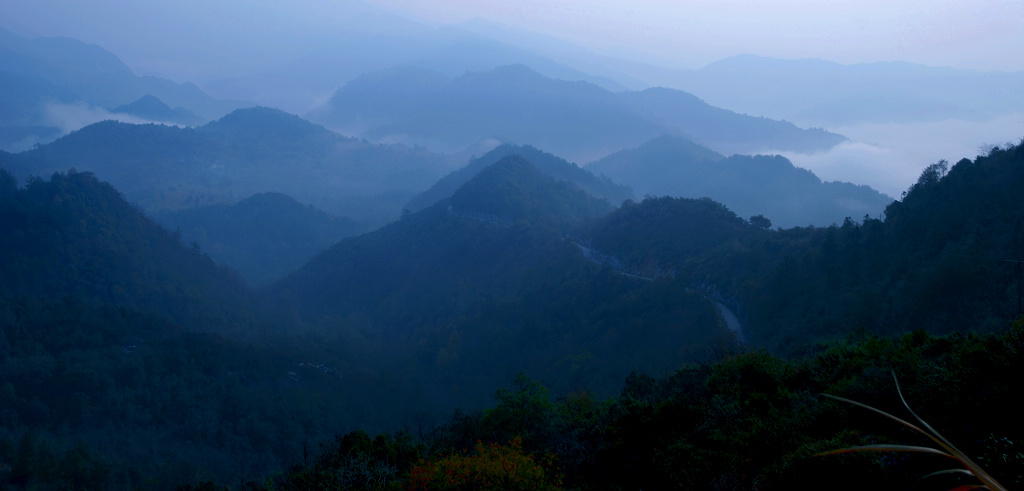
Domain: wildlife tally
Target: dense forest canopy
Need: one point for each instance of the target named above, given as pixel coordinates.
(115, 333)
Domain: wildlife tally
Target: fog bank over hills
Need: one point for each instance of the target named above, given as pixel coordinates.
(295, 56)
(881, 155)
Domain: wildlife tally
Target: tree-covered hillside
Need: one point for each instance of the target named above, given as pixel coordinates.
(128, 360)
(744, 421)
(934, 263)
(74, 236)
(489, 282)
(115, 335)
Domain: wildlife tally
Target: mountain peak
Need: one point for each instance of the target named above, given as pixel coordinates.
(264, 122)
(513, 188)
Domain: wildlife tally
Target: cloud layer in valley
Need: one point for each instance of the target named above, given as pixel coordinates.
(890, 157)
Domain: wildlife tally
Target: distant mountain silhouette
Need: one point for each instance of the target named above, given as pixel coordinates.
(372, 43)
(548, 164)
(516, 104)
(44, 72)
(748, 185)
(153, 109)
(726, 131)
(264, 236)
(818, 92)
(246, 152)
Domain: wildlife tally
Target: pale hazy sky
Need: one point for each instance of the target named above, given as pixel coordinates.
(978, 34)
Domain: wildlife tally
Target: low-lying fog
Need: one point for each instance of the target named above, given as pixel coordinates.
(890, 156)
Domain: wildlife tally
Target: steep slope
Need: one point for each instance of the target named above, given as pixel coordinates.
(264, 236)
(484, 237)
(74, 236)
(487, 283)
(577, 119)
(758, 185)
(246, 152)
(549, 164)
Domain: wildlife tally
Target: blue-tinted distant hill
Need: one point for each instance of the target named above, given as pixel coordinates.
(246, 152)
(42, 76)
(749, 185)
(600, 187)
(818, 92)
(578, 120)
(263, 237)
(152, 109)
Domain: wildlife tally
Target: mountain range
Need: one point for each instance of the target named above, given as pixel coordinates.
(749, 185)
(515, 104)
(246, 152)
(514, 271)
(51, 84)
(823, 93)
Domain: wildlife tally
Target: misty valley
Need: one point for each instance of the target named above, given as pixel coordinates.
(440, 273)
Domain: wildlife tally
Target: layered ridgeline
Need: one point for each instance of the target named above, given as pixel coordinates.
(515, 271)
(246, 152)
(488, 282)
(74, 236)
(114, 335)
(578, 120)
(749, 185)
(934, 263)
(52, 84)
(557, 168)
(264, 236)
(819, 92)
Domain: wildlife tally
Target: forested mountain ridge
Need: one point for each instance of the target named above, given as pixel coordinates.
(115, 335)
(600, 187)
(578, 120)
(437, 309)
(489, 282)
(248, 151)
(933, 263)
(455, 241)
(74, 236)
(749, 185)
